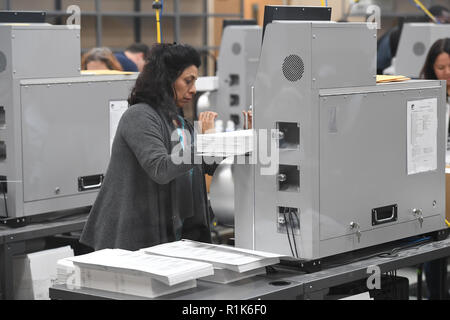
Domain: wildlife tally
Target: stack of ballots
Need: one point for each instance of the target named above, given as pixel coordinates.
(131, 272)
(225, 144)
(230, 264)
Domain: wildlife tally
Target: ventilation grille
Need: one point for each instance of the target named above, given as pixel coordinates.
(419, 49)
(293, 67)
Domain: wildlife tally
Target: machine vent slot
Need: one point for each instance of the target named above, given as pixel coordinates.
(234, 100)
(293, 67)
(2, 117)
(288, 220)
(288, 178)
(2, 150)
(234, 80)
(290, 135)
(235, 118)
(2, 62)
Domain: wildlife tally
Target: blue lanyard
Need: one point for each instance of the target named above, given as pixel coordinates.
(180, 132)
(181, 135)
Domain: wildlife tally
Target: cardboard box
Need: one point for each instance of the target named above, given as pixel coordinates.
(34, 273)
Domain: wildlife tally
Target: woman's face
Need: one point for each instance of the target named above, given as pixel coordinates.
(184, 86)
(442, 67)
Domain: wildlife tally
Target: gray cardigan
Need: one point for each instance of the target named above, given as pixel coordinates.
(139, 200)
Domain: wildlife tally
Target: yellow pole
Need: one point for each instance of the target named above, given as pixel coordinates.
(158, 27)
(428, 13)
(323, 3)
(157, 7)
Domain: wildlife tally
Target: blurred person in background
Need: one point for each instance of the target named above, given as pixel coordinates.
(134, 57)
(100, 59)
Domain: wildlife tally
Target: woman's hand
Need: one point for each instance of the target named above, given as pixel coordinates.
(249, 117)
(207, 121)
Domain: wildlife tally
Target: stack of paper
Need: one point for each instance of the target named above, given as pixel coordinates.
(137, 273)
(388, 78)
(225, 144)
(65, 272)
(104, 72)
(230, 264)
(225, 276)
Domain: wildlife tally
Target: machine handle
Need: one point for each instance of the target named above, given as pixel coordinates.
(90, 182)
(384, 214)
(385, 219)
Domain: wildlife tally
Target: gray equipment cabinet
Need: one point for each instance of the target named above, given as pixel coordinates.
(237, 66)
(55, 124)
(346, 165)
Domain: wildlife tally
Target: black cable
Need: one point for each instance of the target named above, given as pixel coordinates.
(287, 233)
(291, 222)
(298, 224)
(6, 205)
(292, 232)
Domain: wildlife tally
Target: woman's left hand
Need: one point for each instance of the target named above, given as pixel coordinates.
(206, 119)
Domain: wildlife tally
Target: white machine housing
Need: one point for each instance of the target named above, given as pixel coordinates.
(236, 70)
(55, 123)
(342, 149)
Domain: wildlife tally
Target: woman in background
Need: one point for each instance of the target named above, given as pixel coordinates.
(100, 59)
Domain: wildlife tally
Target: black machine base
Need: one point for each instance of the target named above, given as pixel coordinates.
(308, 266)
(17, 222)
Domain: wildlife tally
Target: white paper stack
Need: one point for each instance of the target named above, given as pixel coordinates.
(230, 264)
(137, 273)
(225, 276)
(65, 272)
(225, 144)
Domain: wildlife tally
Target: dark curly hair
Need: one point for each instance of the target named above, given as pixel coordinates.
(154, 84)
(440, 46)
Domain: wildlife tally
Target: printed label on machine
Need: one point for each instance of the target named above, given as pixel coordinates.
(422, 135)
(116, 110)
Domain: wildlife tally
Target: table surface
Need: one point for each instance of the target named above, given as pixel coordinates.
(284, 283)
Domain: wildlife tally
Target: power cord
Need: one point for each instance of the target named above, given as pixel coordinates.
(298, 224)
(287, 232)
(289, 220)
(6, 205)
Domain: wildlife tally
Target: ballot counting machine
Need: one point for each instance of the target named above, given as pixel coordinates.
(56, 125)
(236, 69)
(415, 42)
(356, 163)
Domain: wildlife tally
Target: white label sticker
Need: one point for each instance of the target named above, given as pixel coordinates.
(116, 110)
(422, 135)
